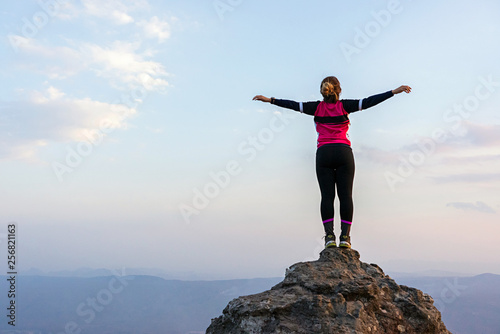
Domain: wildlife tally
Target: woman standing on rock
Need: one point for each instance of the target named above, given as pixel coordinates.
(334, 158)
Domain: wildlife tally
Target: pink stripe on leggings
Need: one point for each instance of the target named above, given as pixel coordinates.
(328, 220)
(345, 221)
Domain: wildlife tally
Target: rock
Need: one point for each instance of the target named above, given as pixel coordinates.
(335, 294)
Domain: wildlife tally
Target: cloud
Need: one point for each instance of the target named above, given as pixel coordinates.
(480, 156)
(481, 135)
(114, 10)
(468, 178)
(377, 155)
(126, 64)
(117, 12)
(478, 206)
(471, 156)
(121, 62)
(473, 141)
(51, 116)
(56, 62)
(155, 28)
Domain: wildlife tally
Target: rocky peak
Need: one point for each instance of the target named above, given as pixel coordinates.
(335, 294)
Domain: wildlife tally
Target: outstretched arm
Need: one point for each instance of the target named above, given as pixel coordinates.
(281, 103)
(356, 105)
(304, 107)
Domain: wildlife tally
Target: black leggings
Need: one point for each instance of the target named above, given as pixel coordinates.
(335, 167)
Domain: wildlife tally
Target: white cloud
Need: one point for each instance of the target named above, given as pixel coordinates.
(50, 116)
(118, 12)
(478, 206)
(115, 10)
(41, 118)
(66, 10)
(57, 62)
(120, 62)
(155, 28)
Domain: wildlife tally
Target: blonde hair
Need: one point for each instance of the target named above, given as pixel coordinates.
(330, 89)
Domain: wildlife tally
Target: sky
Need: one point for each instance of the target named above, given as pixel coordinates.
(129, 138)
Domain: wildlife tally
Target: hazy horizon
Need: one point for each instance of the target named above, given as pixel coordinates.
(129, 138)
(394, 267)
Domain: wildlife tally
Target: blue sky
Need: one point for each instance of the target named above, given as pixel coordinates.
(115, 118)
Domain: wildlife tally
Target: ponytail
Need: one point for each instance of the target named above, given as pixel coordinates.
(330, 89)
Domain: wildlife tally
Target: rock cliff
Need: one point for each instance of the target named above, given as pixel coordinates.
(335, 294)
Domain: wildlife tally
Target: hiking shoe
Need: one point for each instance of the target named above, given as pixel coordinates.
(330, 241)
(345, 241)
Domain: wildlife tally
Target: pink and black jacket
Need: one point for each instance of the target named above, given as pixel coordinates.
(332, 119)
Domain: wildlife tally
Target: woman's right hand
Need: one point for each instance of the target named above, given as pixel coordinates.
(261, 98)
(401, 89)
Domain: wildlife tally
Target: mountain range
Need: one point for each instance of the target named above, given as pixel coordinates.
(149, 304)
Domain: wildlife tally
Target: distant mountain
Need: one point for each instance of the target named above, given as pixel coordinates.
(154, 305)
(98, 272)
(427, 273)
(122, 305)
(467, 304)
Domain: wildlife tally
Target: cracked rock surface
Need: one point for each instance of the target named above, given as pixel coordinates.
(335, 294)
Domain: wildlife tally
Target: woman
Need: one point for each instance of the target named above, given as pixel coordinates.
(334, 158)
